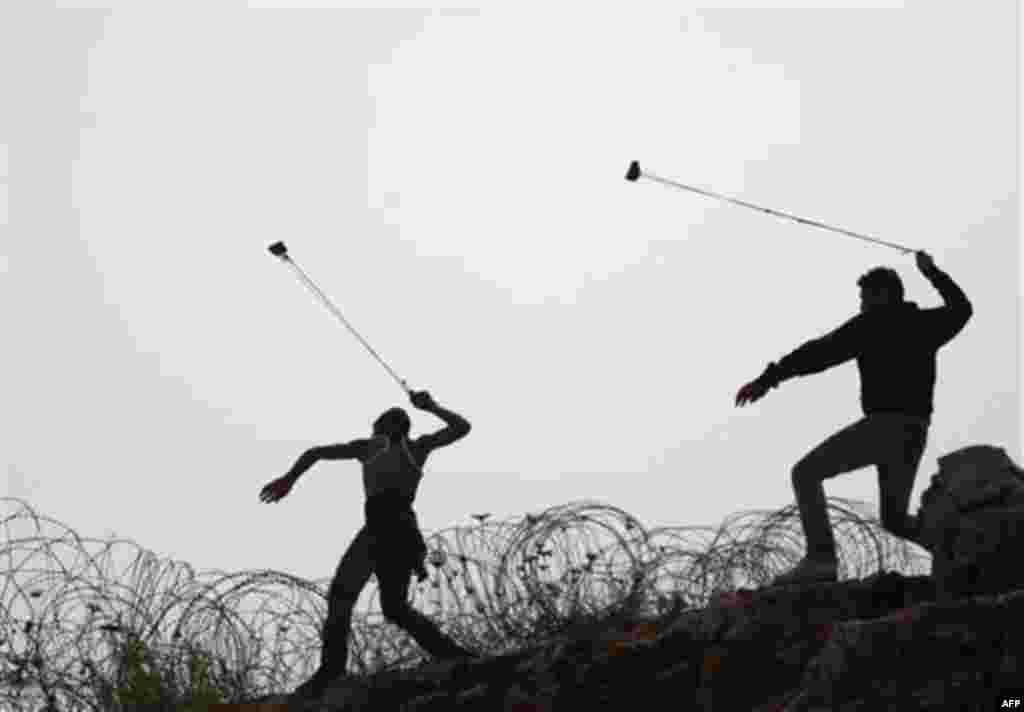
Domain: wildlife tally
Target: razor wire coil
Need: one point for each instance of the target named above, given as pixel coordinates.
(68, 609)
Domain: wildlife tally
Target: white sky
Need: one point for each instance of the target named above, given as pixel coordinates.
(454, 181)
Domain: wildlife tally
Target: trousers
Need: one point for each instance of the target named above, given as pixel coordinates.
(893, 443)
(389, 546)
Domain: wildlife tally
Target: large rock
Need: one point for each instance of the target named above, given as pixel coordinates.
(972, 521)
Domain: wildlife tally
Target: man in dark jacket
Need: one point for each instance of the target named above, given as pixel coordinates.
(390, 544)
(895, 344)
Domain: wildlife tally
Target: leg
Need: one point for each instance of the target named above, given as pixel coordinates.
(394, 603)
(851, 448)
(350, 577)
(896, 475)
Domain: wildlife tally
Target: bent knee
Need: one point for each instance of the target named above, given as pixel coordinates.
(805, 472)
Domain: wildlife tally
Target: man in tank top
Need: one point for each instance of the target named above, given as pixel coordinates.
(389, 544)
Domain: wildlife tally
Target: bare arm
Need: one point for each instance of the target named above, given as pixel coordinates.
(278, 489)
(343, 451)
(456, 427)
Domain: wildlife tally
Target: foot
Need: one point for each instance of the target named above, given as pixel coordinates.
(315, 686)
(457, 656)
(809, 571)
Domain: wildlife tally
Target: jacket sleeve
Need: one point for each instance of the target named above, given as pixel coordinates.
(945, 322)
(830, 350)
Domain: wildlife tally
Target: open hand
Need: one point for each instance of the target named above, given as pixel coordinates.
(422, 400)
(751, 392)
(277, 490)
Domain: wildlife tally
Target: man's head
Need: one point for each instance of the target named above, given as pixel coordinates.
(393, 423)
(879, 287)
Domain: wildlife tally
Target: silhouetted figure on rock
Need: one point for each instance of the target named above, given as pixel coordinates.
(895, 344)
(389, 544)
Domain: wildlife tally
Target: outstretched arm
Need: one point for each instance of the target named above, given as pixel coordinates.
(342, 451)
(456, 427)
(816, 355)
(279, 488)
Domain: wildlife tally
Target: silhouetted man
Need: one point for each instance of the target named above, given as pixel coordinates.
(895, 343)
(389, 544)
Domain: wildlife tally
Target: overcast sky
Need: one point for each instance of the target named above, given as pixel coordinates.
(454, 181)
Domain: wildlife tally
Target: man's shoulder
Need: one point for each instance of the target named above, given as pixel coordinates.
(363, 447)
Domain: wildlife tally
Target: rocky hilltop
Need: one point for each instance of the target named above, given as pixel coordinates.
(882, 643)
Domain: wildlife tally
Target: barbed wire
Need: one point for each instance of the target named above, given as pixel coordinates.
(494, 585)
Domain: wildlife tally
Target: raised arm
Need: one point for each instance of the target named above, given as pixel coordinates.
(946, 321)
(456, 427)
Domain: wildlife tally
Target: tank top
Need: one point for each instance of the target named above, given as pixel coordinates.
(392, 469)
